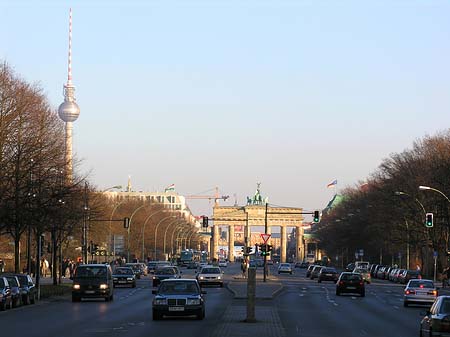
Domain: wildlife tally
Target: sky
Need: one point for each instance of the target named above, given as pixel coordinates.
(291, 94)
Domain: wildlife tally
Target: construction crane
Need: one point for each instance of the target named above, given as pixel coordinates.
(216, 197)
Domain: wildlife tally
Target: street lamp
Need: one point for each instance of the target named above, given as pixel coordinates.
(165, 232)
(129, 228)
(425, 188)
(143, 232)
(156, 229)
(399, 193)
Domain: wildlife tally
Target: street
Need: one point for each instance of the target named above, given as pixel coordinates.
(303, 307)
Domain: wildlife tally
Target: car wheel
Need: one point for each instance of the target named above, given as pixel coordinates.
(76, 298)
(338, 293)
(200, 315)
(2, 306)
(111, 298)
(405, 304)
(156, 316)
(107, 298)
(15, 303)
(33, 299)
(221, 285)
(133, 285)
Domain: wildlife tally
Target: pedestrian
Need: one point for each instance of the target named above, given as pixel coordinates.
(244, 269)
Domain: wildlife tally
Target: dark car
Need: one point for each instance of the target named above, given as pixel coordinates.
(165, 273)
(315, 271)
(5, 294)
(137, 269)
(178, 297)
(328, 274)
(350, 283)
(437, 320)
(92, 281)
(408, 275)
(350, 267)
(27, 288)
(124, 276)
(14, 285)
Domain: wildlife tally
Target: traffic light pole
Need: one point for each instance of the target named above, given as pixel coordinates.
(265, 255)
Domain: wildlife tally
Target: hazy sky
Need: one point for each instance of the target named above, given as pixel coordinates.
(292, 94)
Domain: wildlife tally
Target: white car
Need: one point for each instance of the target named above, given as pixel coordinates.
(223, 263)
(285, 268)
(210, 275)
(420, 291)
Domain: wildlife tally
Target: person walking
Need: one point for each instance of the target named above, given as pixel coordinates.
(244, 269)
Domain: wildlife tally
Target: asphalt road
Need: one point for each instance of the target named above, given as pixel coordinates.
(128, 315)
(311, 309)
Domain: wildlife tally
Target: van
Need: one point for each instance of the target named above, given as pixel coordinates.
(92, 281)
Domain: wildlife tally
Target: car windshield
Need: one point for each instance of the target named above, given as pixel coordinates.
(12, 281)
(165, 271)
(421, 284)
(210, 271)
(123, 271)
(23, 279)
(90, 272)
(351, 277)
(178, 288)
(328, 270)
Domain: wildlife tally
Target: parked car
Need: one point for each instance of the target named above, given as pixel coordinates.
(137, 269)
(437, 320)
(5, 294)
(364, 273)
(419, 291)
(164, 273)
(328, 274)
(350, 283)
(408, 275)
(27, 288)
(350, 267)
(178, 297)
(210, 275)
(315, 272)
(93, 281)
(284, 268)
(309, 269)
(223, 263)
(14, 285)
(124, 276)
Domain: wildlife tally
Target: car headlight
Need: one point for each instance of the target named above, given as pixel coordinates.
(154, 277)
(130, 279)
(218, 277)
(103, 286)
(160, 301)
(201, 277)
(76, 286)
(193, 301)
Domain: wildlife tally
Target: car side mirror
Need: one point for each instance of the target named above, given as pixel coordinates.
(154, 292)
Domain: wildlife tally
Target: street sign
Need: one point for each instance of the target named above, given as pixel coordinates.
(265, 237)
(435, 253)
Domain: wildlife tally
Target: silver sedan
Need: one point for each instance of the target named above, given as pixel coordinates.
(420, 292)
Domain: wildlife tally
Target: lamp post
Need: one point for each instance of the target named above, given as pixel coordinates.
(173, 235)
(425, 188)
(165, 233)
(156, 229)
(143, 232)
(129, 228)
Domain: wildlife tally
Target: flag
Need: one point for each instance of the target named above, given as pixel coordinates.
(332, 184)
(170, 188)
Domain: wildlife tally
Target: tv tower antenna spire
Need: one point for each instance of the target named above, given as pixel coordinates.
(69, 111)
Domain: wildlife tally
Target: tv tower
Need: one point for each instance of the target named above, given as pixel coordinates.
(69, 111)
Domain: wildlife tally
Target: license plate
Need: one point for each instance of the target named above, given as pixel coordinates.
(122, 281)
(176, 308)
(328, 274)
(351, 287)
(89, 291)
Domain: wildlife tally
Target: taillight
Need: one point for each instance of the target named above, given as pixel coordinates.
(433, 292)
(410, 292)
(361, 283)
(341, 283)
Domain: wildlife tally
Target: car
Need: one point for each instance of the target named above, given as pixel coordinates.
(328, 274)
(350, 267)
(192, 265)
(315, 271)
(309, 269)
(14, 285)
(5, 294)
(201, 265)
(165, 273)
(124, 276)
(419, 291)
(93, 281)
(408, 275)
(153, 265)
(223, 263)
(437, 320)
(365, 274)
(284, 268)
(350, 283)
(210, 275)
(178, 297)
(27, 288)
(137, 269)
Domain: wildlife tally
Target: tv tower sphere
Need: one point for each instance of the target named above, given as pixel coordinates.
(69, 111)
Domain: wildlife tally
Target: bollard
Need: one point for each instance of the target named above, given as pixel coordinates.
(251, 292)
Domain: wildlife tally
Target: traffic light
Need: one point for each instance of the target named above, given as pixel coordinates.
(263, 249)
(126, 223)
(429, 220)
(205, 222)
(316, 216)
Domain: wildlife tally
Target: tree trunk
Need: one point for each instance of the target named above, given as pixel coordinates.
(17, 253)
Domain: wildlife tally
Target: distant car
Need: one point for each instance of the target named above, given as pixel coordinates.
(192, 265)
(14, 285)
(365, 273)
(437, 320)
(28, 289)
(223, 263)
(285, 268)
(309, 269)
(201, 265)
(419, 291)
(328, 274)
(350, 283)
(137, 269)
(178, 297)
(210, 275)
(164, 273)
(408, 275)
(315, 272)
(5, 294)
(124, 276)
(93, 281)
(350, 267)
